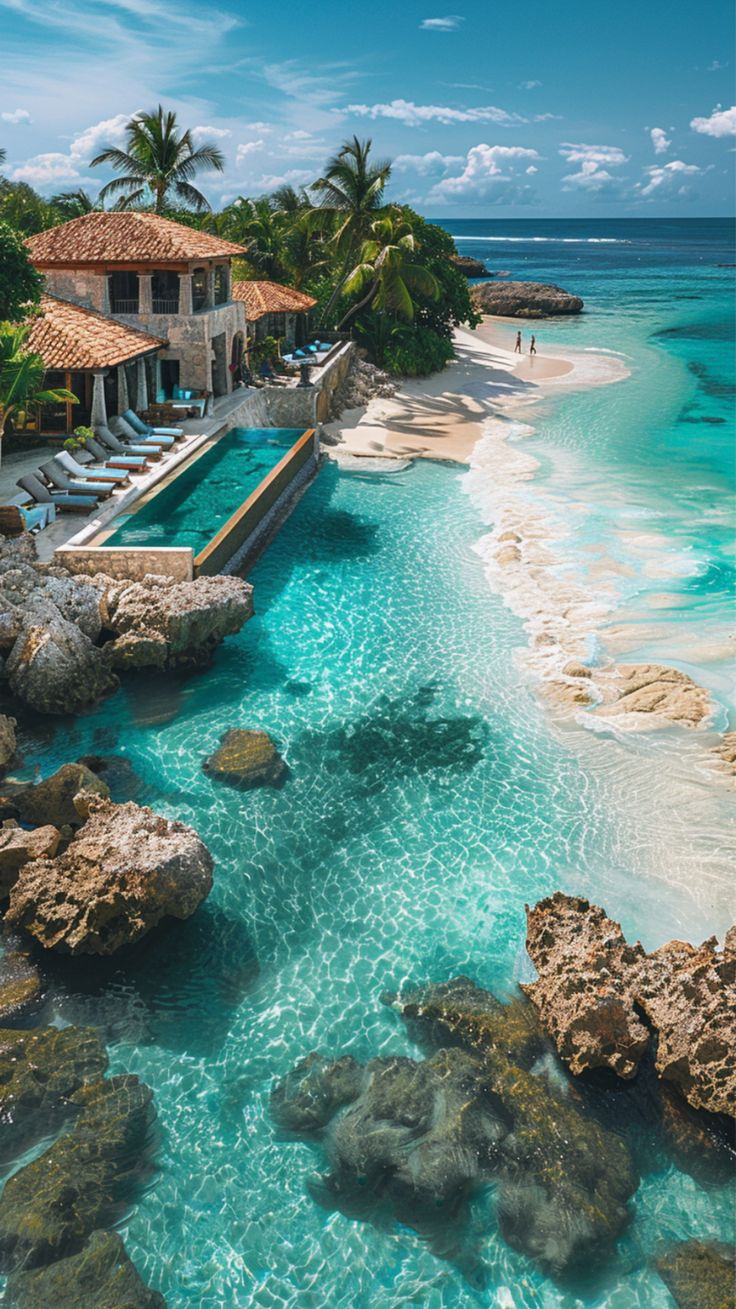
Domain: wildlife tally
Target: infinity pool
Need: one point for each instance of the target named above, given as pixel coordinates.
(190, 509)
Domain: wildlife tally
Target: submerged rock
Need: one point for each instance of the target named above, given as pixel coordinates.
(7, 739)
(699, 1274)
(52, 800)
(460, 1011)
(20, 987)
(247, 757)
(124, 870)
(311, 1094)
(593, 986)
(84, 1181)
(159, 623)
(41, 1069)
(19, 846)
(100, 1276)
(524, 299)
(656, 692)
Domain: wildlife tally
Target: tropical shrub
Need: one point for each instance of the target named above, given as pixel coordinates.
(20, 284)
(416, 352)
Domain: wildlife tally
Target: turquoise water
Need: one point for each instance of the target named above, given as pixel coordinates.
(196, 504)
(400, 850)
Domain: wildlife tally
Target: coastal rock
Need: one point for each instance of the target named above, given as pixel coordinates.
(117, 773)
(7, 739)
(523, 299)
(50, 1207)
(247, 757)
(41, 1069)
(182, 623)
(699, 1274)
(724, 755)
(584, 996)
(362, 383)
(311, 1094)
(593, 986)
(100, 1276)
(124, 870)
(20, 987)
(460, 1012)
(655, 691)
(470, 267)
(18, 846)
(52, 800)
(54, 668)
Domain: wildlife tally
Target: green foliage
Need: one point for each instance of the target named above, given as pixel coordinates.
(452, 307)
(268, 348)
(83, 434)
(20, 284)
(21, 375)
(23, 209)
(416, 352)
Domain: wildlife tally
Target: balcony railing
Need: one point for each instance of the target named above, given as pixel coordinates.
(124, 306)
(168, 304)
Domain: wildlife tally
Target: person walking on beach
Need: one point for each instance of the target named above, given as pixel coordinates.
(517, 347)
(533, 346)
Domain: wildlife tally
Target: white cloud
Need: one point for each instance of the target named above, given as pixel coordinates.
(55, 166)
(109, 131)
(722, 122)
(52, 167)
(205, 132)
(258, 127)
(247, 148)
(531, 170)
(666, 179)
(448, 24)
(660, 140)
(272, 181)
(594, 162)
(414, 115)
(531, 85)
(488, 175)
(17, 117)
(426, 165)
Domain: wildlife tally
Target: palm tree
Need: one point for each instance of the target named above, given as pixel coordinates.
(21, 375)
(159, 160)
(3, 155)
(351, 191)
(73, 204)
(389, 270)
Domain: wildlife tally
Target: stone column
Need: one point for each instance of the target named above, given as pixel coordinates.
(185, 293)
(141, 386)
(106, 294)
(210, 301)
(123, 398)
(157, 377)
(145, 293)
(98, 416)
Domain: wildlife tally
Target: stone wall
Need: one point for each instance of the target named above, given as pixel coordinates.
(190, 339)
(130, 563)
(82, 286)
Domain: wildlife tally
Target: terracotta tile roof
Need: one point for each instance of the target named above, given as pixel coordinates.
(70, 337)
(125, 238)
(262, 298)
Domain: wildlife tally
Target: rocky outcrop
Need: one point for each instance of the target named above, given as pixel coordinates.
(422, 1135)
(7, 739)
(100, 1276)
(699, 1274)
(161, 623)
(363, 382)
(246, 757)
(19, 846)
(52, 800)
(470, 267)
(64, 636)
(20, 988)
(523, 299)
(594, 987)
(124, 870)
(49, 1208)
(658, 693)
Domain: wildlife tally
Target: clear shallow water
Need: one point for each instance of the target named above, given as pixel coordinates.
(192, 508)
(387, 857)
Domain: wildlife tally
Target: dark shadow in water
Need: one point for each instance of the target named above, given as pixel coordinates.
(179, 987)
(709, 383)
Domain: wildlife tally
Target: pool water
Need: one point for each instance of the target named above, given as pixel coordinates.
(200, 499)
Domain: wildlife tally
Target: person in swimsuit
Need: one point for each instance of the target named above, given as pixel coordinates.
(517, 347)
(533, 346)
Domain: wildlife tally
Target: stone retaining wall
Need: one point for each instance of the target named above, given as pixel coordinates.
(130, 563)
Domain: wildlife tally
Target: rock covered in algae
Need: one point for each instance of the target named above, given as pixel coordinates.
(52, 800)
(311, 1094)
(460, 1011)
(84, 1181)
(100, 1276)
(20, 987)
(247, 757)
(7, 739)
(18, 846)
(124, 870)
(699, 1274)
(593, 985)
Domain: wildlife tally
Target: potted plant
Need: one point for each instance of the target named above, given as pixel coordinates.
(78, 443)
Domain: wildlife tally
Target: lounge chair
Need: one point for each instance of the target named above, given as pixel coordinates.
(59, 478)
(77, 504)
(82, 471)
(126, 433)
(132, 463)
(145, 429)
(123, 450)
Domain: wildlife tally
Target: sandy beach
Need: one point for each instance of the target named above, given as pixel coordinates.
(442, 416)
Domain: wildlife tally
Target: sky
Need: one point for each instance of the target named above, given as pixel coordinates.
(499, 110)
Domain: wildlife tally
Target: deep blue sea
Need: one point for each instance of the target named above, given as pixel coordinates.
(382, 861)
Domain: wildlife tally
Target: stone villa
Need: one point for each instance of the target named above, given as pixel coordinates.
(139, 308)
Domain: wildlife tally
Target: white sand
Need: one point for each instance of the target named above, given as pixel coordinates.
(441, 417)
